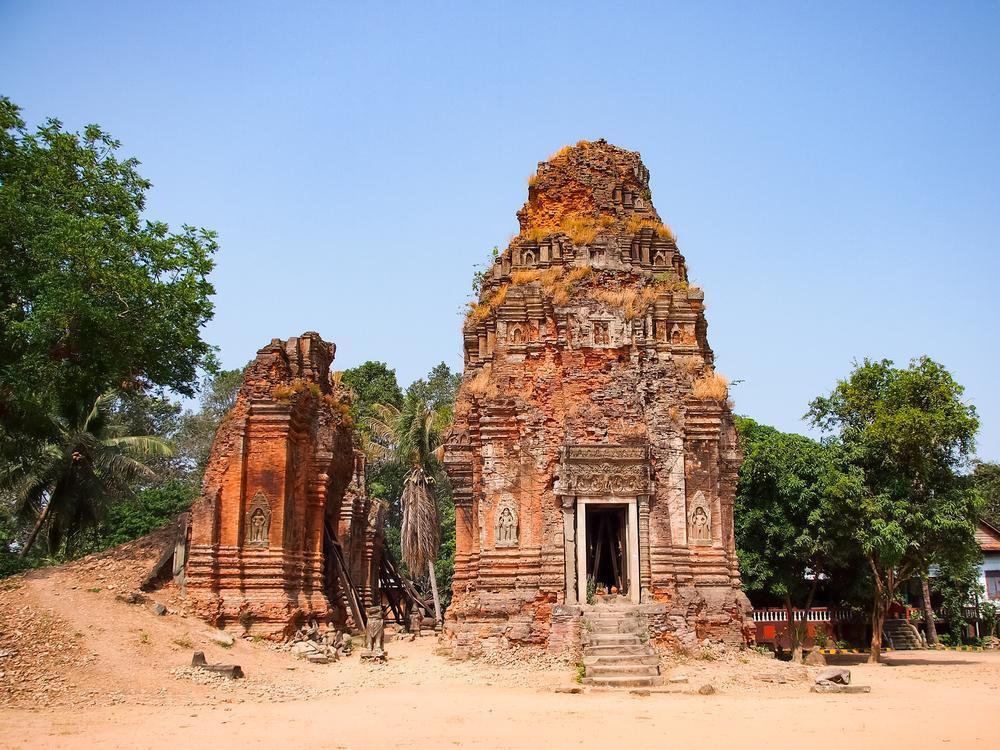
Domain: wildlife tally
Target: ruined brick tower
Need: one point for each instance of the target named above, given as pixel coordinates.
(283, 531)
(593, 442)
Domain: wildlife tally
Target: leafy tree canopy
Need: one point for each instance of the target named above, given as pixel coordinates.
(371, 383)
(787, 522)
(986, 480)
(92, 295)
(909, 433)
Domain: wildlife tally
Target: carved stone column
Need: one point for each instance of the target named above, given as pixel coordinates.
(569, 547)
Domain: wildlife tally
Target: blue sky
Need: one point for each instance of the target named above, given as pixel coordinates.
(831, 170)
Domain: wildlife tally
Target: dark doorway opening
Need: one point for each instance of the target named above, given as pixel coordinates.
(607, 554)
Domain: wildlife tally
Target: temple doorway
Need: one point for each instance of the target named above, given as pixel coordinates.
(607, 547)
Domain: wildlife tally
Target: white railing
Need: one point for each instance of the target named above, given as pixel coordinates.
(816, 614)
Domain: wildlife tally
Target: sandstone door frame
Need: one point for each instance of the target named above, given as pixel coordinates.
(631, 504)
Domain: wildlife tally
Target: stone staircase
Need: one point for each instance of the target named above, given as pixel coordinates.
(615, 648)
(901, 635)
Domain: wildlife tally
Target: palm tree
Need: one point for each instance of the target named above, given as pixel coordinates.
(85, 466)
(411, 436)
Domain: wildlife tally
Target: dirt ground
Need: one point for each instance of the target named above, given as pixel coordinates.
(81, 669)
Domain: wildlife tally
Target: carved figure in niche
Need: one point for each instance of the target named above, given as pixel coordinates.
(528, 258)
(676, 335)
(699, 521)
(516, 335)
(258, 522)
(659, 259)
(505, 527)
(601, 335)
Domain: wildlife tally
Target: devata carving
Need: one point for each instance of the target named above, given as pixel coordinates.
(505, 529)
(581, 455)
(258, 523)
(699, 521)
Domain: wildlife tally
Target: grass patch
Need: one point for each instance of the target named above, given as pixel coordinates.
(581, 672)
(183, 642)
(631, 301)
(95, 590)
(143, 637)
(478, 312)
(476, 385)
(636, 224)
(711, 386)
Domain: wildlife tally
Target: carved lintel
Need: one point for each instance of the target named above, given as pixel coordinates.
(617, 470)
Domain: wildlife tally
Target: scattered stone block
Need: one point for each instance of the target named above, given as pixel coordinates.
(159, 610)
(232, 671)
(835, 675)
(570, 690)
(706, 690)
(832, 687)
(677, 679)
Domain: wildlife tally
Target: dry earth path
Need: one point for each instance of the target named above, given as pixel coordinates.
(80, 669)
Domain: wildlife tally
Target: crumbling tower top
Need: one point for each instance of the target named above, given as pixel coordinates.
(590, 182)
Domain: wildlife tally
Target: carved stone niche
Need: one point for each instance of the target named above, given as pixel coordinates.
(616, 470)
(505, 523)
(258, 522)
(699, 521)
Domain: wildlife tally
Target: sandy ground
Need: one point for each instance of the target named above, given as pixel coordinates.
(80, 669)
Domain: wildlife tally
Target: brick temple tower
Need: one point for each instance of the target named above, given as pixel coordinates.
(593, 442)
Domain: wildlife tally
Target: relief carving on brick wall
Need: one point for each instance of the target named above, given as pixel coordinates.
(699, 521)
(258, 524)
(505, 527)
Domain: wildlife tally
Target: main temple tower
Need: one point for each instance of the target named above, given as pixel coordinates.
(593, 444)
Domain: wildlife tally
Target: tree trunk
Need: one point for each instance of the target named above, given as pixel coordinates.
(878, 622)
(795, 641)
(434, 591)
(34, 532)
(930, 629)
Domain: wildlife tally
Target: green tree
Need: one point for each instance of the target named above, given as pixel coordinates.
(986, 480)
(92, 296)
(909, 433)
(957, 583)
(69, 485)
(410, 438)
(145, 512)
(196, 429)
(438, 390)
(371, 383)
(786, 523)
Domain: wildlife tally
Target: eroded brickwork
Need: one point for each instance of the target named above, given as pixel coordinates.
(589, 380)
(283, 483)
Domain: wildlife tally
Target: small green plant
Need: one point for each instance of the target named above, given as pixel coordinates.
(257, 639)
(224, 644)
(588, 626)
(843, 644)
(591, 589)
(581, 671)
(95, 590)
(821, 639)
(706, 654)
(945, 639)
(183, 642)
(763, 650)
(143, 637)
(348, 645)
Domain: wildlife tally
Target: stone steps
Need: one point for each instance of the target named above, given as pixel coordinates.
(623, 682)
(902, 635)
(614, 652)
